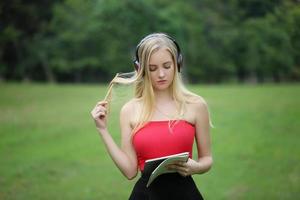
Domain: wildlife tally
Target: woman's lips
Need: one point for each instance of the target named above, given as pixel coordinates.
(162, 81)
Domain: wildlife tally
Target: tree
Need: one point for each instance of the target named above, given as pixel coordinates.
(94, 39)
(20, 21)
(268, 51)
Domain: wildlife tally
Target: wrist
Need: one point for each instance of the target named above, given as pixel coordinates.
(194, 166)
(204, 165)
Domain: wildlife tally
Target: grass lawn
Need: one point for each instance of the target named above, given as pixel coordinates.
(49, 148)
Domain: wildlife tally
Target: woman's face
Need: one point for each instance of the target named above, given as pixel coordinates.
(161, 67)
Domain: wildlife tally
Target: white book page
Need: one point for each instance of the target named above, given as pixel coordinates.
(162, 167)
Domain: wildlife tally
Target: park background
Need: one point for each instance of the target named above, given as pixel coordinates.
(57, 57)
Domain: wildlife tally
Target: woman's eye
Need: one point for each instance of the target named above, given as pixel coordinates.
(167, 66)
(152, 69)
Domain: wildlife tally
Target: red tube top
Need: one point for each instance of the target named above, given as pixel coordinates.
(156, 140)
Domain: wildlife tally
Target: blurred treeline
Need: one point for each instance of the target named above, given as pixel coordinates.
(91, 40)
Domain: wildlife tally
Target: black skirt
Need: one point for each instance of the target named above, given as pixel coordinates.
(167, 186)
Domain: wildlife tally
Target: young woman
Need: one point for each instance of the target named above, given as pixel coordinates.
(162, 119)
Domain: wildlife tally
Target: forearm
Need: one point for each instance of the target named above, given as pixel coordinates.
(119, 157)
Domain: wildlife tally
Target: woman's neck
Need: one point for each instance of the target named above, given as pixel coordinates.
(163, 96)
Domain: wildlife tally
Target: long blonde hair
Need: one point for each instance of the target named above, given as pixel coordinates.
(143, 85)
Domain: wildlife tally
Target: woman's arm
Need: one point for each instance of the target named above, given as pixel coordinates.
(124, 157)
(202, 125)
(203, 142)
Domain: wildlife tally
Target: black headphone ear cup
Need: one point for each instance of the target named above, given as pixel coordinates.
(179, 62)
(136, 65)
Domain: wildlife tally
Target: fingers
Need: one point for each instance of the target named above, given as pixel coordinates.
(101, 106)
(99, 110)
(102, 103)
(180, 167)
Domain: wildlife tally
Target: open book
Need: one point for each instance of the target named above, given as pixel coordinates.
(157, 166)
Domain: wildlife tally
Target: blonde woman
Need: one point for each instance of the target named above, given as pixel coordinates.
(162, 119)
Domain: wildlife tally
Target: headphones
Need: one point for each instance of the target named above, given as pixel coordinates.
(179, 55)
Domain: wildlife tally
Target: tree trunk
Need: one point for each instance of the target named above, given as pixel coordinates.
(48, 71)
(276, 77)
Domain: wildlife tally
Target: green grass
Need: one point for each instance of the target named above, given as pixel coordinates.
(49, 148)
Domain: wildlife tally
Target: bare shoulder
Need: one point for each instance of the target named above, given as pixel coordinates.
(197, 102)
(197, 108)
(129, 110)
(127, 105)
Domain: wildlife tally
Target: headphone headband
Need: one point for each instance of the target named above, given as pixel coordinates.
(179, 55)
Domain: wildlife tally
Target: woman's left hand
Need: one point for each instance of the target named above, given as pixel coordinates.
(185, 168)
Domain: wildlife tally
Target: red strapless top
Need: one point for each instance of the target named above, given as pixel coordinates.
(156, 140)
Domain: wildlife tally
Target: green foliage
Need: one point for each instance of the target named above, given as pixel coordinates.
(20, 21)
(268, 49)
(71, 40)
(92, 35)
(292, 25)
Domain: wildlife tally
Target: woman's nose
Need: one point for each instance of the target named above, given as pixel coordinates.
(161, 73)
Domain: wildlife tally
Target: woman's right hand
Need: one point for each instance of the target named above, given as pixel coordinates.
(99, 115)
